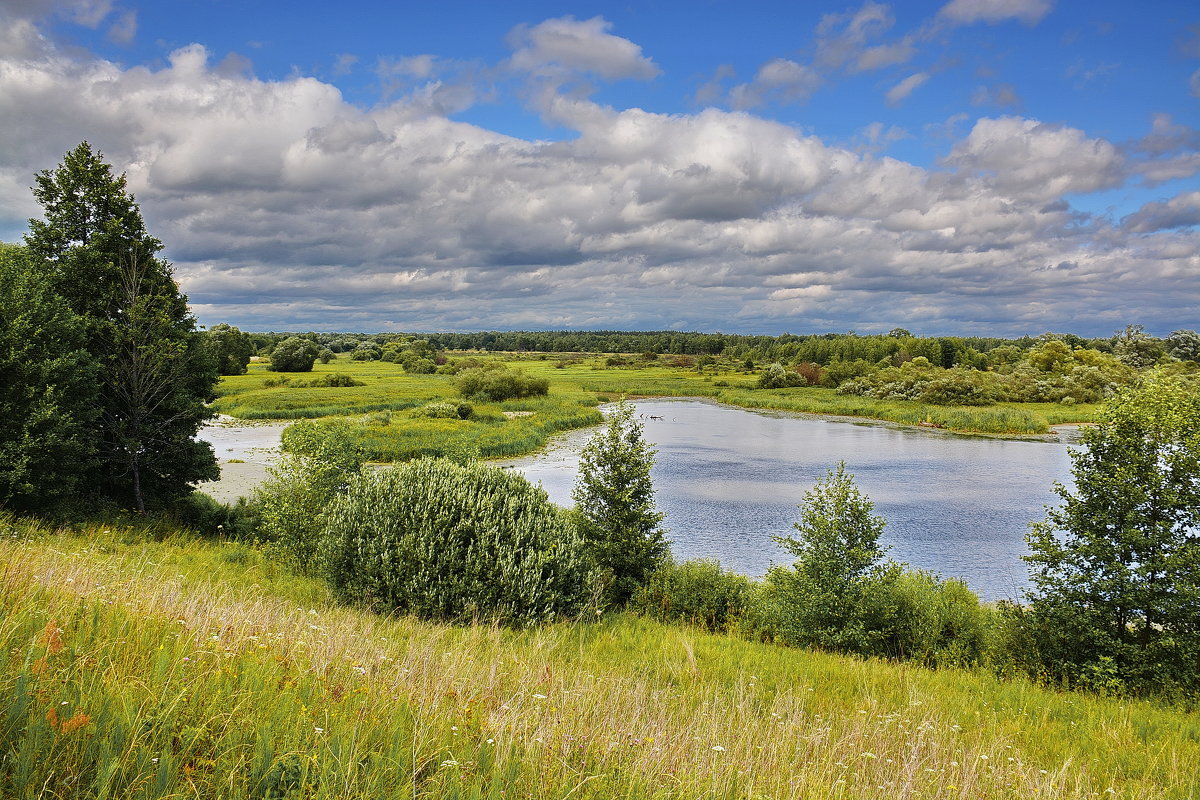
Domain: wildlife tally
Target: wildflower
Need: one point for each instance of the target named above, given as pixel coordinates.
(77, 721)
(51, 637)
(539, 696)
(717, 748)
(869, 755)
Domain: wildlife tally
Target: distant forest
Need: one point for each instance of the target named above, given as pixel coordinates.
(944, 351)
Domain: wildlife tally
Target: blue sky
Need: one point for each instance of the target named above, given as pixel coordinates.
(970, 166)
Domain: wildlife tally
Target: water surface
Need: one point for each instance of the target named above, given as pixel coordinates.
(729, 480)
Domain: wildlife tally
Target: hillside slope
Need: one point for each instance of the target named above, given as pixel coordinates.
(132, 667)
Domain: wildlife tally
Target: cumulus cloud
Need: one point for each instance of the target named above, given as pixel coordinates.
(285, 207)
(575, 45)
(968, 12)
(1181, 211)
(1036, 161)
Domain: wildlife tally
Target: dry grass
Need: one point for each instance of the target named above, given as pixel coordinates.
(242, 681)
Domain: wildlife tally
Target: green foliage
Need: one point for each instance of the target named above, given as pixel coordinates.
(832, 597)
(47, 390)
(777, 376)
(455, 542)
(320, 459)
(1184, 345)
(698, 591)
(1114, 566)
(156, 371)
(231, 349)
(935, 622)
(614, 502)
(441, 410)
(1138, 349)
(294, 354)
(496, 383)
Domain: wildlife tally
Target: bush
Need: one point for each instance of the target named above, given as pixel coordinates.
(319, 460)
(441, 410)
(499, 383)
(334, 380)
(935, 622)
(294, 355)
(777, 376)
(698, 591)
(455, 542)
(208, 517)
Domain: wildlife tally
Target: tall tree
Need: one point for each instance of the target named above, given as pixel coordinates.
(46, 380)
(156, 371)
(231, 348)
(614, 499)
(1115, 567)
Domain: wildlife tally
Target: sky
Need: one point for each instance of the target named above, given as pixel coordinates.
(971, 167)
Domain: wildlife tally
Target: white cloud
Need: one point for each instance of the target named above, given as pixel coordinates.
(967, 12)
(1036, 161)
(1181, 211)
(900, 92)
(779, 80)
(575, 45)
(285, 207)
(1194, 83)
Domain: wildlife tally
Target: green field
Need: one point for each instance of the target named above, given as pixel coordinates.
(384, 404)
(166, 666)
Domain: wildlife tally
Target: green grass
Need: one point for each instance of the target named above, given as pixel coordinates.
(196, 669)
(575, 388)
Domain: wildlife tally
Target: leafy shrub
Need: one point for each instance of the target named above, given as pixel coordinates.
(499, 383)
(319, 460)
(442, 410)
(698, 591)
(209, 517)
(294, 355)
(777, 376)
(455, 542)
(334, 380)
(935, 622)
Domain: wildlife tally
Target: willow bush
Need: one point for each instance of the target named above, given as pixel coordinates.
(455, 542)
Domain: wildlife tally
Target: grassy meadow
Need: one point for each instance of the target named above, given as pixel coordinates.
(390, 430)
(158, 665)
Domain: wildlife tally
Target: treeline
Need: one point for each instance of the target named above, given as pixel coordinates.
(896, 347)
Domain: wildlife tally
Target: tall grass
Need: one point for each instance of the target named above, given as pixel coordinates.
(135, 668)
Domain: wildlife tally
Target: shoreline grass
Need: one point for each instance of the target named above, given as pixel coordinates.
(388, 397)
(203, 670)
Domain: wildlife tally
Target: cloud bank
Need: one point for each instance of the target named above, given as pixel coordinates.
(283, 206)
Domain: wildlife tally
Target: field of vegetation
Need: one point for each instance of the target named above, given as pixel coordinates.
(160, 665)
(388, 404)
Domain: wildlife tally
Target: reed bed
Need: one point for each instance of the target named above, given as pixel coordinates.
(181, 668)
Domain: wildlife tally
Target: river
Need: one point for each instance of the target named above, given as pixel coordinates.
(729, 480)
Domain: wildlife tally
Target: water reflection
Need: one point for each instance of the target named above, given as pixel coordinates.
(728, 480)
